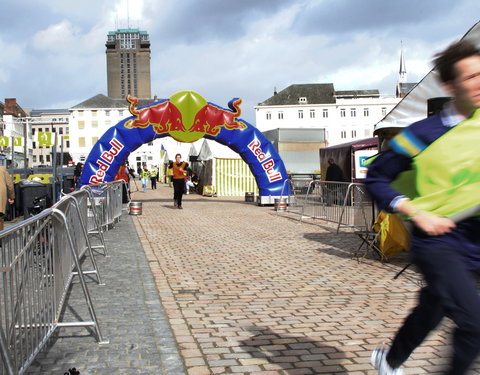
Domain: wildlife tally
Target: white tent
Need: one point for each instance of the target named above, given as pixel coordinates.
(413, 106)
(222, 171)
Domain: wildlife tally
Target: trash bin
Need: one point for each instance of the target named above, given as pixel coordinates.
(249, 197)
(34, 196)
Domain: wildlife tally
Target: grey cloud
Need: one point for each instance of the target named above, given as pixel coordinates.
(191, 21)
(346, 16)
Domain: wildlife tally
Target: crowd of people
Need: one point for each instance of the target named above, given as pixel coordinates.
(179, 176)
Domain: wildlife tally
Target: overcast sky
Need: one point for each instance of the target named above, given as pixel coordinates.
(53, 51)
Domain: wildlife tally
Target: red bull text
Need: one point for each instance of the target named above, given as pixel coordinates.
(268, 164)
(105, 161)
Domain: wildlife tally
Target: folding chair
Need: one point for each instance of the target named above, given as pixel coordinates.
(370, 238)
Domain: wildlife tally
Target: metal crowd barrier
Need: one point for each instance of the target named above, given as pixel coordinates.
(106, 202)
(39, 258)
(347, 204)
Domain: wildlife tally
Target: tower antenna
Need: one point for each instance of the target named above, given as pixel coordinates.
(128, 15)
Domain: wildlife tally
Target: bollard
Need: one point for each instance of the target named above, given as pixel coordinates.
(135, 208)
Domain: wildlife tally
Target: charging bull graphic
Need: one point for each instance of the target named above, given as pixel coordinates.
(186, 116)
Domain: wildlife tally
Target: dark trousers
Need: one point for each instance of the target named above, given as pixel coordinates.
(153, 182)
(450, 292)
(178, 189)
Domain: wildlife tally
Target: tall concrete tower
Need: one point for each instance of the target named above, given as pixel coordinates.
(128, 63)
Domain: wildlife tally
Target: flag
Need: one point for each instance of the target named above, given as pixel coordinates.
(162, 151)
(4, 141)
(17, 141)
(44, 139)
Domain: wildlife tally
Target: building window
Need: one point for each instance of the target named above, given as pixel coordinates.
(34, 144)
(353, 112)
(343, 134)
(67, 144)
(302, 99)
(107, 113)
(80, 113)
(41, 159)
(60, 130)
(354, 134)
(366, 133)
(325, 113)
(269, 115)
(280, 115)
(34, 158)
(81, 141)
(384, 111)
(95, 124)
(312, 113)
(94, 113)
(342, 112)
(300, 114)
(366, 112)
(120, 113)
(94, 140)
(48, 158)
(81, 124)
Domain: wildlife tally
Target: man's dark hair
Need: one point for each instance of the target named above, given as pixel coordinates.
(445, 61)
(178, 155)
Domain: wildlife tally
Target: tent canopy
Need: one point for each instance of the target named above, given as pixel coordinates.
(211, 149)
(343, 155)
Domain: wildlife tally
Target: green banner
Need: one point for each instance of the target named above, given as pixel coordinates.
(44, 139)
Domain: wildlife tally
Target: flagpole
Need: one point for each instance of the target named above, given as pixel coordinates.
(61, 164)
(25, 129)
(54, 162)
(13, 152)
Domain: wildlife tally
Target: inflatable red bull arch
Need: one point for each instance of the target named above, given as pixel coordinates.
(186, 116)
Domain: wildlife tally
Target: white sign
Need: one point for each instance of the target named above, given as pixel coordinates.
(361, 157)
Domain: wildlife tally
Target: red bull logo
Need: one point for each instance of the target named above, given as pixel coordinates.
(105, 161)
(265, 159)
(186, 116)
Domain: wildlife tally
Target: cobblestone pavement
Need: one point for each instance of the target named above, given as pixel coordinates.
(247, 291)
(244, 291)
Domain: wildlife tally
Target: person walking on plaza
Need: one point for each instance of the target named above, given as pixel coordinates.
(153, 177)
(7, 193)
(123, 175)
(443, 151)
(145, 176)
(179, 174)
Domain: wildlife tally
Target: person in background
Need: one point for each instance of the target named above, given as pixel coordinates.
(169, 176)
(77, 173)
(7, 193)
(123, 175)
(446, 253)
(335, 193)
(145, 176)
(153, 177)
(179, 168)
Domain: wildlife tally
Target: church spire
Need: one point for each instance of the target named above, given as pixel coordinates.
(402, 74)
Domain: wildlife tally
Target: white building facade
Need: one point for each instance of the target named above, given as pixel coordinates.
(55, 121)
(90, 119)
(344, 115)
